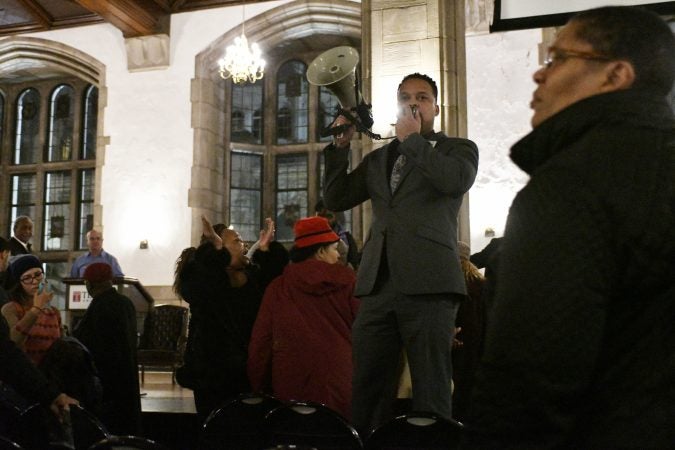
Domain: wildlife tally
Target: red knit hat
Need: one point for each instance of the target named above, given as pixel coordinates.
(98, 273)
(313, 230)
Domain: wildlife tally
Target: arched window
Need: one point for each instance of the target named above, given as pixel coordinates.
(90, 123)
(292, 103)
(48, 180)
(27, 123)
(60, 142)
(290, 162)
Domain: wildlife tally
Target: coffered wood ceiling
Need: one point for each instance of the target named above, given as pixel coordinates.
(133, 17)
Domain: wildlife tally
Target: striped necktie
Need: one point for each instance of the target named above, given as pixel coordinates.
(396, 172)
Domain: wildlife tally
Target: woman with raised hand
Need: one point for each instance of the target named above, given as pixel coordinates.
(224, 290)
(33, 323)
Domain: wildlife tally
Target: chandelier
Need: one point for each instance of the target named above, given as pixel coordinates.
(240, 62)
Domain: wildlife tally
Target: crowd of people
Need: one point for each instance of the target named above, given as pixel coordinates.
(565, 342)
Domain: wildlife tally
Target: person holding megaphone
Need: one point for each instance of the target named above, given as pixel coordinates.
(410, 280)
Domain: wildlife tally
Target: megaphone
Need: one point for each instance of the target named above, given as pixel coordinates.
(336, 70)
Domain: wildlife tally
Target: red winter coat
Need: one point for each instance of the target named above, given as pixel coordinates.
(301, 346)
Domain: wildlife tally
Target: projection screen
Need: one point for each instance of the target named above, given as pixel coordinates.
(522, 14)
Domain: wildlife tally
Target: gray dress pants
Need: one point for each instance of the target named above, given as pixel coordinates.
(387, 322)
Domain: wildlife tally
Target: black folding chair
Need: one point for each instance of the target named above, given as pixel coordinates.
(415, 431)
(8, 444)
(238, 423)
(127, 443)
(39, 429)
(310, 424)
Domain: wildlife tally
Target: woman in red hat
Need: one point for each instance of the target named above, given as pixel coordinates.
(301, 345)
(34, 324)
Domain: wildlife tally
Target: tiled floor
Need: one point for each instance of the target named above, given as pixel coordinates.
(158, 394)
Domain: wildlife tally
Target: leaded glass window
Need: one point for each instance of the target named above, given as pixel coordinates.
(56, 233)
(86, 205)
(60, 142)
(291, 176)
(89, 125)
(27, 143)
(292, 103)
(246, 193)
(246, 123)
(51, 175)
(328, 108)
(23, 196)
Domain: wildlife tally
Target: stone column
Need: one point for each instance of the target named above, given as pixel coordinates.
(406, 36)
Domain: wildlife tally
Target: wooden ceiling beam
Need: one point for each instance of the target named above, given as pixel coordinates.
(132, 18)
(38, 13)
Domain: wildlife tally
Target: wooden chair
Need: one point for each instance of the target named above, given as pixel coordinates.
(164, 338)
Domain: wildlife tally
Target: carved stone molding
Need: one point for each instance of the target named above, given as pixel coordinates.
(478, 15)
(147, 52)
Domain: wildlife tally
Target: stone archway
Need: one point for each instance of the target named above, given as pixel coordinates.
(25, 58)
(295, 20)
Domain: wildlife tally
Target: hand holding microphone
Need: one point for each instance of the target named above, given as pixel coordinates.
(409, 122)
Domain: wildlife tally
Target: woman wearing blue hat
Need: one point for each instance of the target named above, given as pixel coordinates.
(34, 324)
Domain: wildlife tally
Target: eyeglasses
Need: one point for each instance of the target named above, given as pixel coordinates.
(555, 55)
(31, 278)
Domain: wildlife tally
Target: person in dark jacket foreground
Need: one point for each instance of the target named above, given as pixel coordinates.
(108, 330)
(301, 345)
(580, 347)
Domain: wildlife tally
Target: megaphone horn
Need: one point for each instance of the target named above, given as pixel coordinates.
(336, 70)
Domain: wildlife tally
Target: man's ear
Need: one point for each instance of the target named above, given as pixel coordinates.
(620, 75)
(437, 109)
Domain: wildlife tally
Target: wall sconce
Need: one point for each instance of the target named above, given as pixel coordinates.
(144, 244)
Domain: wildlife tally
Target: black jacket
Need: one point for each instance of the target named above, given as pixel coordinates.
(223, 316)
(108, 330)
(580, 349)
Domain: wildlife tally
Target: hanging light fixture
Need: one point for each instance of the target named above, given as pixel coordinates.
(242, 63)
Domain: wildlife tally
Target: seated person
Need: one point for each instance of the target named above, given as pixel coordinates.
(95, 254)
(301, 346)
(17, 371)
(34, 324)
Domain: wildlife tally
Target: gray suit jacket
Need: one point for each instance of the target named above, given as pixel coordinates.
(417, 225)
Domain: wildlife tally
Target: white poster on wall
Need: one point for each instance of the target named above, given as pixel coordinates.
(513, 9)
(523, 14)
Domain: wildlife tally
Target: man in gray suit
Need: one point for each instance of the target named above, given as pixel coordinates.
(409, 280)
